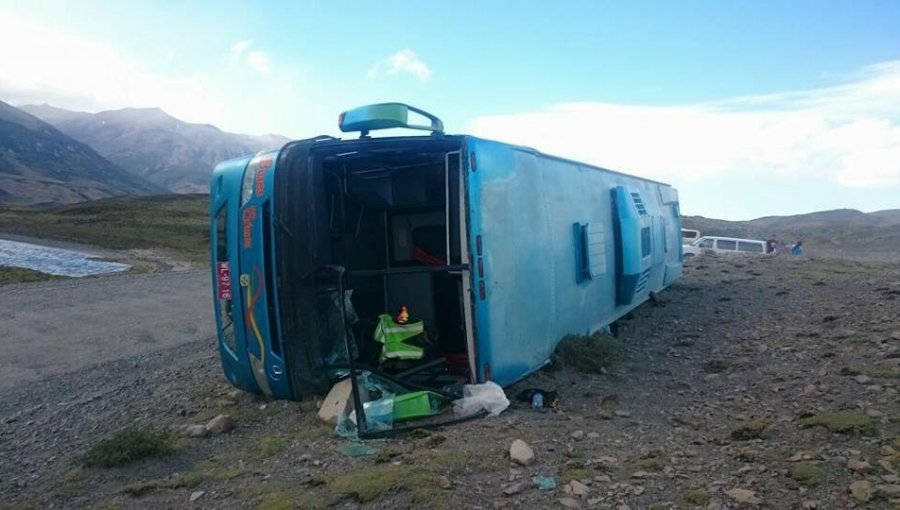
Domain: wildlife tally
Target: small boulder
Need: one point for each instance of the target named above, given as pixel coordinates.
(197, 495)
(743, 496)
(521, 453)
(889, 490)
(220, 424)
(576, 488)
(578, 435)
(863, 379)
(513, 489)
(861, 490)
(858, 465)
(444, 482)
(196, 431)
(569, 503)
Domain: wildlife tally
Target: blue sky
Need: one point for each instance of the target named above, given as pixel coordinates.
(749, 108)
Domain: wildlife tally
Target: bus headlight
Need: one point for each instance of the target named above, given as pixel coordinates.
(247, 182)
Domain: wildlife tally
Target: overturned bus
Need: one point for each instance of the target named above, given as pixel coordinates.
(480, 255)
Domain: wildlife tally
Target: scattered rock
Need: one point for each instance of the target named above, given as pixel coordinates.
(578, 435)
(444, 482)
(887, 450)
(569, 503)
(521, 453)
(641, 474)
(810, 505)
(197, 495)
(593, 435)
(513, 489)
(638, 490)
(889, 490)
(576, 488)
(858, 465)
(603, 478)
(220, 424)
(621, 413)
(863, 379)
(744, 496)
(196, 431)
(861, 490)
(797, 457)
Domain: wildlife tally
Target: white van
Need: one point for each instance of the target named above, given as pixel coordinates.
(724, 245)
(688, 235)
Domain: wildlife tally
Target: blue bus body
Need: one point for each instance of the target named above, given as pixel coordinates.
(540, 246)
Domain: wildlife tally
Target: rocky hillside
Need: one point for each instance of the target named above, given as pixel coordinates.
(41, 165)
(149, 143)
(842, 232)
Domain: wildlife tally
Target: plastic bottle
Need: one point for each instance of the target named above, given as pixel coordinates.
(537, 401)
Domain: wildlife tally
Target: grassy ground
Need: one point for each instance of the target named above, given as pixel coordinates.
(178, 223)
(19, 275)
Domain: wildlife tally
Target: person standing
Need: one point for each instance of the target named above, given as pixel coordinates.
(797, 249)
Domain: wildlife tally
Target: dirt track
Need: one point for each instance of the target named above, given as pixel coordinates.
(53, 327)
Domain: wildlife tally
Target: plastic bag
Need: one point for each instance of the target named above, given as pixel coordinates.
(488, 396)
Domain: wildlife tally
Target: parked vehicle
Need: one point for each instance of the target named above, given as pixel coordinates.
(688, 235)
(498, 250)
(724, 245)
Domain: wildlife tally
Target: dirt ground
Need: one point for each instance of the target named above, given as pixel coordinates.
(763, 382)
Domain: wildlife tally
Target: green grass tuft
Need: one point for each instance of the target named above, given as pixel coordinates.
(652, 462)
(715, 366)
(272, 445)
(840, 421)
(128, 446)
(588, 354)
(807, 474)
(696, 497)
(752, 429)
(21, 275)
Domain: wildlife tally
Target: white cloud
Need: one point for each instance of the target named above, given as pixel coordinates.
(254, 59)
(404, 61)
(41, 64)
(238, 48)
(259, 62)
(848, 134)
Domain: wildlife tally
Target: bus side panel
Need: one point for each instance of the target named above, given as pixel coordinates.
(523, 206)
(224, 199)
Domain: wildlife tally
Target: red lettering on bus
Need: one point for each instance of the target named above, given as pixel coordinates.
(248, 217)
(264, 165)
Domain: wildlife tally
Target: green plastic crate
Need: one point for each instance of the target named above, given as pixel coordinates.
(417, 404)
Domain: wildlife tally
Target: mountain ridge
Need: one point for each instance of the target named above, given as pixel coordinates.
(40, 165)
(150, 143)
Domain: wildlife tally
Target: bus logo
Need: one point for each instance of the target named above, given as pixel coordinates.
(248, 217)
(264, 165)
(223, 280)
